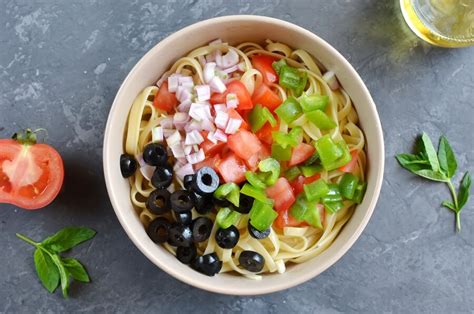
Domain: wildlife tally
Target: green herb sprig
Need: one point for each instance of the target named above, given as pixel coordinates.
(439, 167)
(52, 268)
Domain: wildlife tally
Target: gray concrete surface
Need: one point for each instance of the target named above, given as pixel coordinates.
(61, 63)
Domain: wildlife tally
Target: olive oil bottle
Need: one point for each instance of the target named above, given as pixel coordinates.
(445, 23)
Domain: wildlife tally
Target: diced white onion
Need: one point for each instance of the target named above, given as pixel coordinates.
(220, 107)
(233, 126)
(196, 157)
(221, 119)
(231, 69)
(180, 119)
(209, 71)
(203, 92)
(186, 81)
(202, 60)
(163, 78)
(184, 170)
(231, 58)
(207, 125)
(193, 137)
(181, 161)
(231, 100)
(187, 149)
(178, 150)
(168, 132)
(193, 125)
(147, 171)
(222, 75)
(183, 93)
(167, 123)
(210, 137)
(157, 134)
(211, 57)
(220, 136)
(173, 83)
(217, 85)
(330, 78)
(184, 106)
(173, 139)
(198, 111)
(217, 41)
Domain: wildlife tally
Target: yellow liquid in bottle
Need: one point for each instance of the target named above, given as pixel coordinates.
(445, 23)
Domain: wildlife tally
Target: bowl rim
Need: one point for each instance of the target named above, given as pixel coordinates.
(378, 165)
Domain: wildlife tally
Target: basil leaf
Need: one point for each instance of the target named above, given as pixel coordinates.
(76, 269)
(449, 205)
(46, 269)
(430, 152)
(447, 160)
(412, 162)
(63, 274)
(67, 238)
(463, 194)
(432, 175)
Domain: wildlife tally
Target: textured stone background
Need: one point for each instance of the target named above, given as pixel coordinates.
(61, 63)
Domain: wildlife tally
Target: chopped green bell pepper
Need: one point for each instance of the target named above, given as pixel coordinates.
(348, 185)
(315, 190)
(254, 180)
(293, 79)
(309, 171)
(277, 65)
(226, 217)
(328, 151)
(262, 215)
(344, 159)
(312, 160)
(273, 167)
(256, 193)
(359, 192)
(313, 102)
(259, 116)
(320, 120)
(229, 191)
(292, 173)
(333, 207)
(280, 153)
(304, 210)
(289, 110)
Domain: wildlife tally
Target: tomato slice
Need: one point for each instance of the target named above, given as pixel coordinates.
(164, 99)
(244, 144)
(282, 195)
(264, 96)
(31, 176)
(238, 88)
(235, 115)
(300, 153)
(349, 167)
(212, 162)
(298, 183)
(263, 64)
(232, 169)
(210, 148)
(265, 133)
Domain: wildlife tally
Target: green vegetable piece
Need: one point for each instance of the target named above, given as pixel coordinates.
(344, 159)
(315, 190)
(328, 151)
(292, 139)
(447, 160)
(254, 180)
(292, 173)
(304, 210)
(277, 65)
(269, 116)
(333, 206)
(293, 79)
(280, 153)
(359, 193)
(259, 116)
(256, 193)
(229, 191)
(313, 102)
(289, 110)
(54, 270)
(226, 217)
(314, 159)
(273, 167)
(320, 120)
(333, 194)
(262, 215)
(309, 171)
(348, 185)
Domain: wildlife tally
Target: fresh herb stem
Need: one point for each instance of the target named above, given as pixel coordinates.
(453, 193)
(27, 240)
(458, 221)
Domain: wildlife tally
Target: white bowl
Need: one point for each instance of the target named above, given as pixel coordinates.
(236, 29)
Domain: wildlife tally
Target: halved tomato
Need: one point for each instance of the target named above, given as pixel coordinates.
(164, 99)
(263, 64)
(232, 169)
(244, 144)
(349, 167)
(264, 96)
(238, 88)
(282, 195)
(31, 175)
(300, 153)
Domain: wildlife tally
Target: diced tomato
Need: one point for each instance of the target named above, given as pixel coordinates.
(252, 162)
(165, 100)
(264, 96)
(232, 169)
(349, 167)
(298, 183)
(265, 133)
(244, 144)
(235, 115)
(284, 219)
(282, 194)
(212, 162)
(263, 64)
(238, 88)
(300, 153)
(209, 147)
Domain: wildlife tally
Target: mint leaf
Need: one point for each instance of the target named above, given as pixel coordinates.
(449, 205)
(432, 175)
(46, 270)
(447, 160)
(68, 238)
(430, 152)
(76, 269)
(412, 162)
(463, 194)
